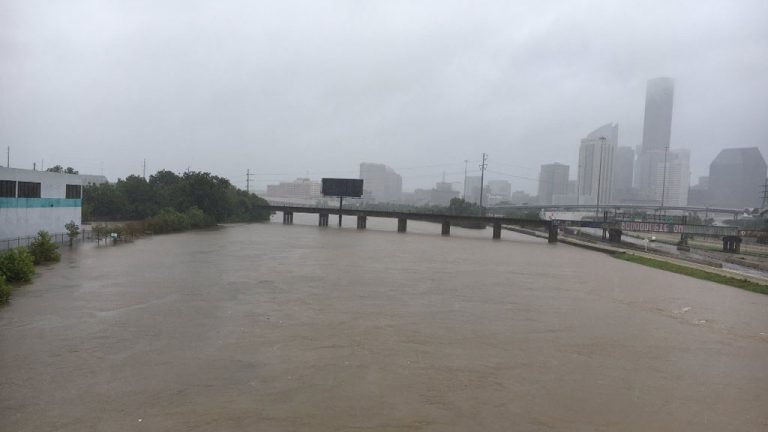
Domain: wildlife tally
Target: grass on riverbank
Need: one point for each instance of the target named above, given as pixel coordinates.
(693, 272)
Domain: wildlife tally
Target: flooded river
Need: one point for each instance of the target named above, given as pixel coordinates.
(283, 328)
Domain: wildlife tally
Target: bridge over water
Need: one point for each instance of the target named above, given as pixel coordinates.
(612, 229)
(446, 220)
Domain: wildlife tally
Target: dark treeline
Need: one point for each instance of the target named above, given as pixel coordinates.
(136, 198)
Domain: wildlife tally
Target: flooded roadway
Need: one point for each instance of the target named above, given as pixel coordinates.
(283, 328)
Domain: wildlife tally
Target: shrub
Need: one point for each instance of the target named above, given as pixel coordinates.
(168, 220)
(5, 290)
(135, 229)
(17, 265)
(43, 249)
(198, 219)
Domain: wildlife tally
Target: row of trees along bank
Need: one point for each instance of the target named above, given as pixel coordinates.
(167, 194)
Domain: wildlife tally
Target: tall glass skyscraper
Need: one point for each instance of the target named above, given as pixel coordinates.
(657, 129)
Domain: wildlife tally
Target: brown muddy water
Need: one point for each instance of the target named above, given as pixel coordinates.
(268, 327)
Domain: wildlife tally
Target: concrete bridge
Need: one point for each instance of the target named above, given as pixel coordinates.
(592, 207)
(446, 220)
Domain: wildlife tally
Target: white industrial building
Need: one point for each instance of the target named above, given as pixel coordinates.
(31, 201)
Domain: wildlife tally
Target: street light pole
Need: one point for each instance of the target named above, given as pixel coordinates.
(599, 177)
(465, 179)
(664, 178)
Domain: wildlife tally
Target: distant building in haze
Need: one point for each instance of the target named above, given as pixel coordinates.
(299, 188)
(736, 178)
(440, 195)
(672, 186)
(553, 180)
(381, 182)
(473, 189)
(623, 171)
(596, 158)
(657, 130)
(500, 189)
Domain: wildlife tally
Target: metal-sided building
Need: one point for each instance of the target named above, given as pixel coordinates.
(31, 201)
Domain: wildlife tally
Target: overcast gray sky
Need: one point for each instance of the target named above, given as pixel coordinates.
(288, 88)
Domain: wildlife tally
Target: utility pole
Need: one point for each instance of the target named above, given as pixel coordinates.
(144, 169)
(599, 177)
(765, 194)
(465, 179)
(664, 178)
(483, 166)
(8, 158)
(248, 180)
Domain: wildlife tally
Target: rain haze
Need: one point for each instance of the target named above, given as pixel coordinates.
(383, 216)
(290, 89)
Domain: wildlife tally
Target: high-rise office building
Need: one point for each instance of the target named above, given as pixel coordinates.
(596, 158)
(736, 178)
(553, 180)
(623, 170)
(657, 130)
(473, 189)
(672, 186)
(381, 182)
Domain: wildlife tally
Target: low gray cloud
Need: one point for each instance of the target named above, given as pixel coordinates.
(289, 88)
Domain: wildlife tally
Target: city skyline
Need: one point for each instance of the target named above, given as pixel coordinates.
(110, 89)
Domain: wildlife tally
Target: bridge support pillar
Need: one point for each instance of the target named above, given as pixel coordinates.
(732, 244)
(288, 218)
(446, 228)
(552, 237)
(323, 222)
(361, 222)
(496, 230)
(402, 224)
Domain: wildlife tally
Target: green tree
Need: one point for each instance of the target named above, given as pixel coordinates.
(62, 170)
(138, 196)
(43, 249)
(17, 265)
(73, 230)
(103, 202)
(461, 207)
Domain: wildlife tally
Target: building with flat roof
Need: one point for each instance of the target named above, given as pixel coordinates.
(381, 182)
(596, 158)
(299, 188)
(553, 180)
(672, 186)
(623, 173)
(31, 201)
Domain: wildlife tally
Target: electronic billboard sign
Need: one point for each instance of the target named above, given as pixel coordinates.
(341, 187)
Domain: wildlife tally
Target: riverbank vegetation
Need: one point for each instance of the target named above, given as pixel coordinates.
(43, 249)
(18, 265)
(693, 272)
(168, 202)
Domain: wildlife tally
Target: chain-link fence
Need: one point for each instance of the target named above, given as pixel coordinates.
(58, 238)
